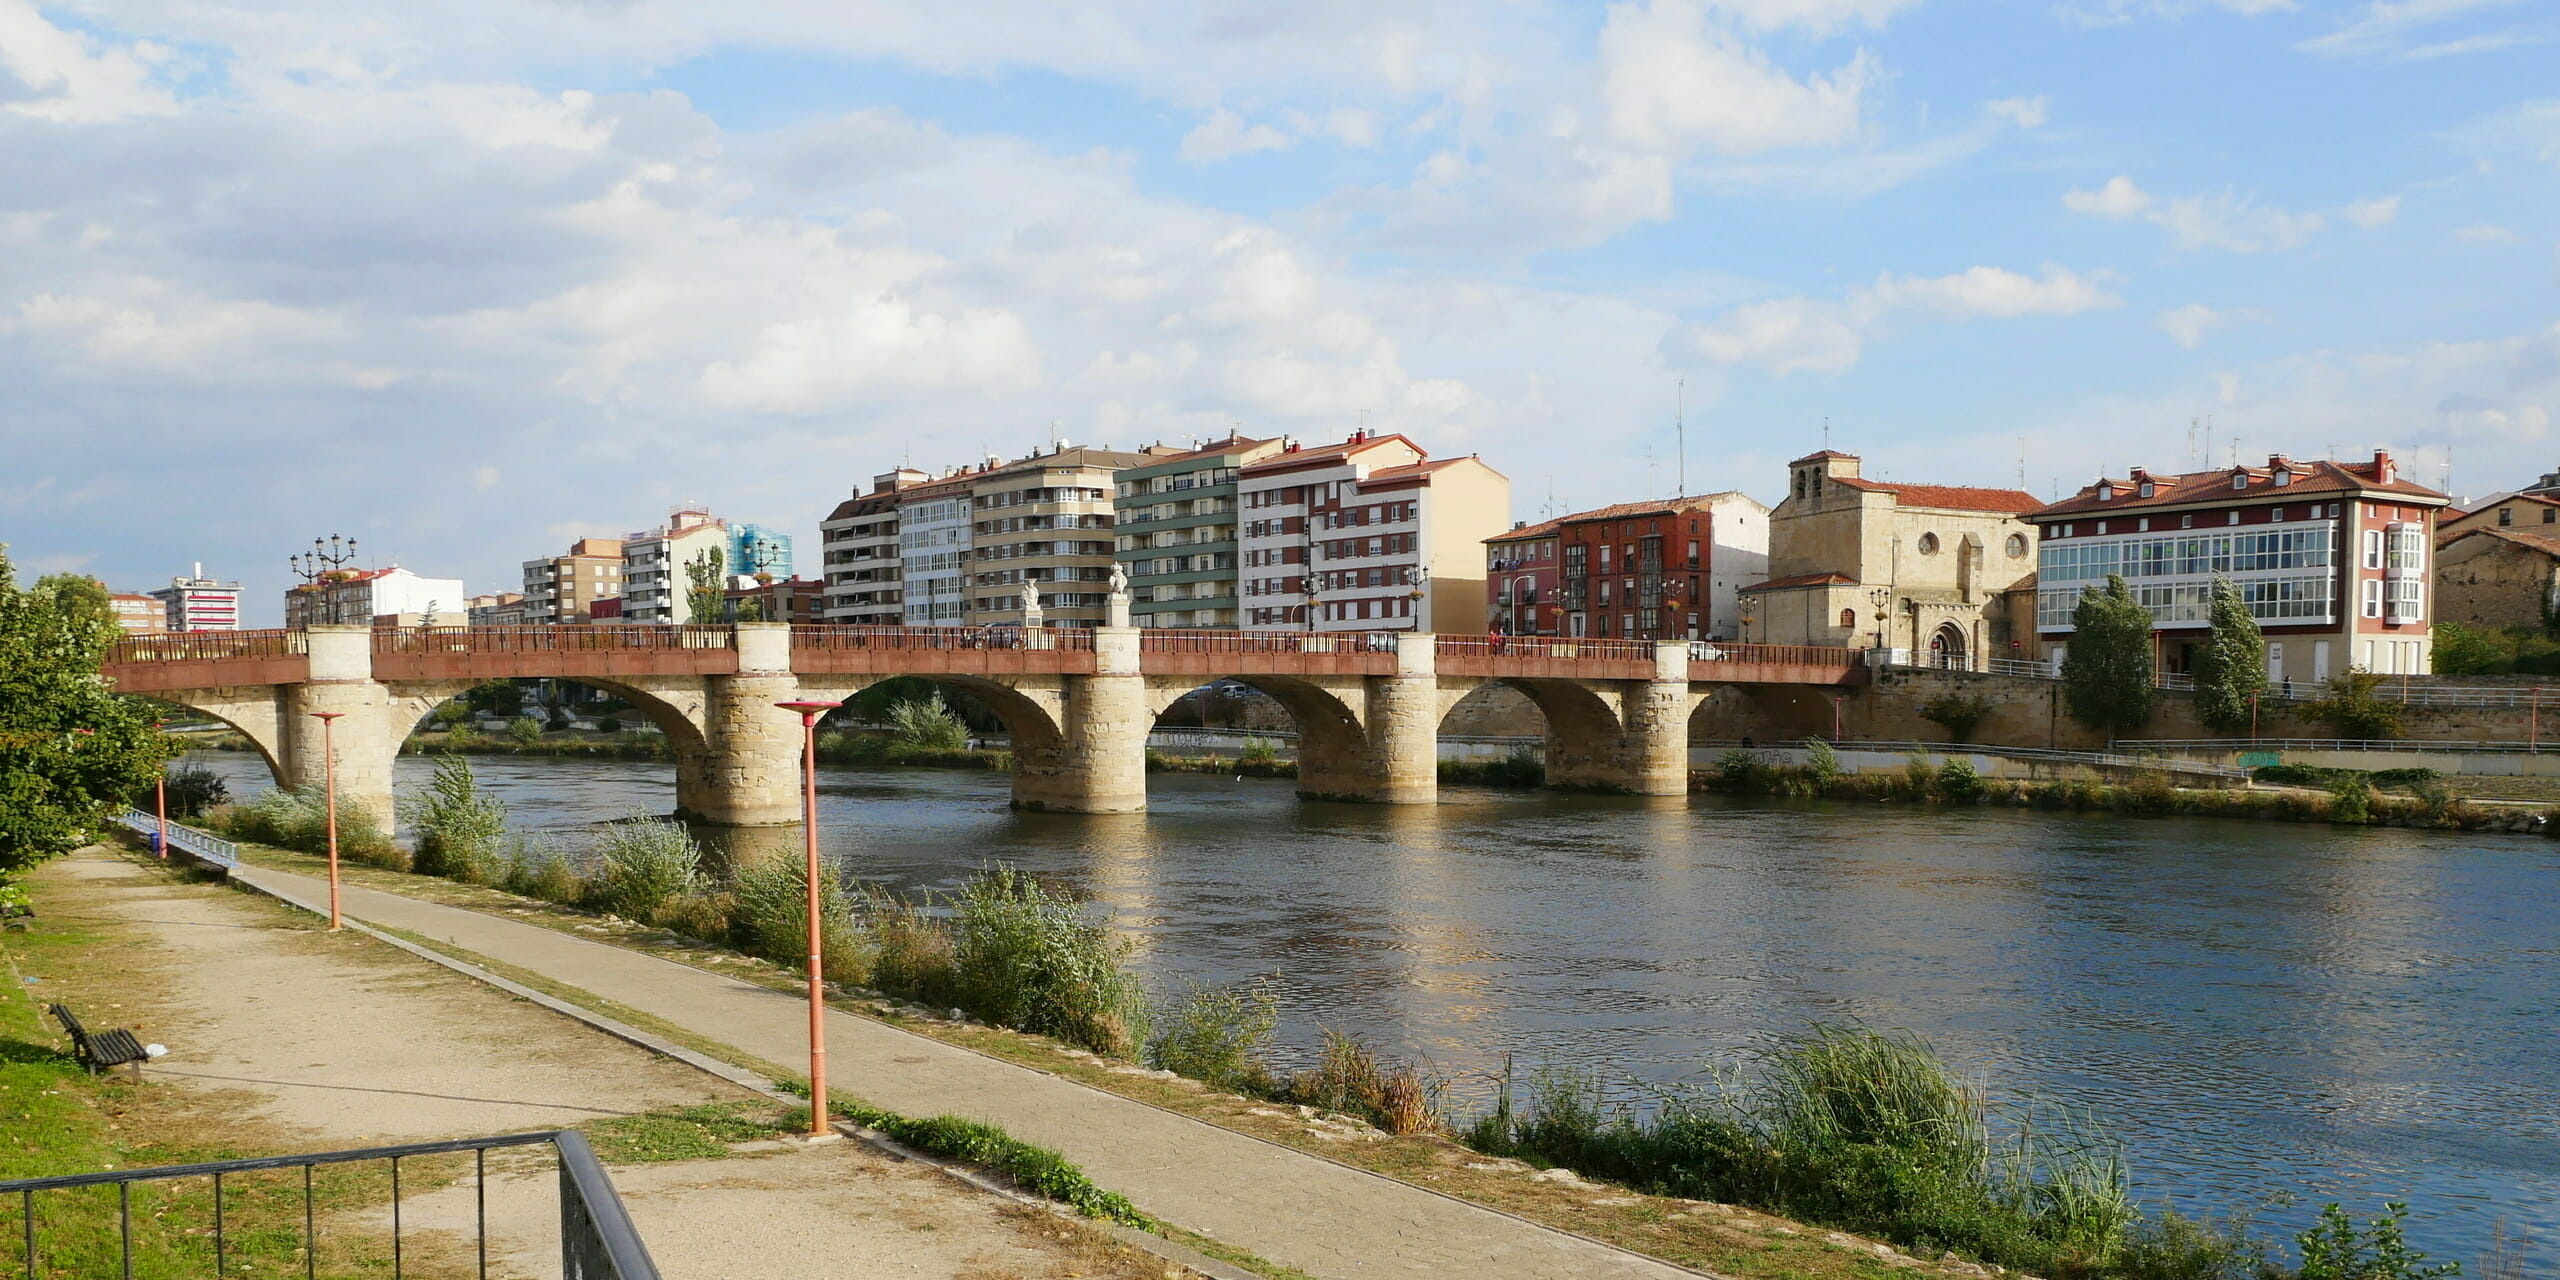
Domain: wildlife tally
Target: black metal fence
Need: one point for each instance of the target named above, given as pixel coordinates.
(597, 1240)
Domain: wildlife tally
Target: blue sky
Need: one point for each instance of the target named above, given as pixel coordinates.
(469, 280)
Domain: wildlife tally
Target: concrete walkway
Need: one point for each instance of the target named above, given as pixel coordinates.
(1322, 1218)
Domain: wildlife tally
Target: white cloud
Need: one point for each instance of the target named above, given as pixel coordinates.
(1815, 15)
(2188, 325)
(66, 76)
(2119, 198)
(2386, 29)
(485, 479)
(2105, 13)
(1797, 334)
(2485, 233)
(1671, 80)
(874, 345)
(2530, 129)
(1225, 135)
(2223, 220)
(2026, 113)
(2372, 211)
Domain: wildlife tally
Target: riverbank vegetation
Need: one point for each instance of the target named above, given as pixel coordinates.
(2349, 797)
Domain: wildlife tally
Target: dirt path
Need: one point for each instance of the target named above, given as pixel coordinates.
(303, 1040)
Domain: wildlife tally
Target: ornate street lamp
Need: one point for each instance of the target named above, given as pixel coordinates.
(321, 565)
(809, 713)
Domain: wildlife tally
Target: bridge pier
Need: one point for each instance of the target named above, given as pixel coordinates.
(1394, 758)
(1646, 752)
(747, 771)
(365, 735)
(1099, 762)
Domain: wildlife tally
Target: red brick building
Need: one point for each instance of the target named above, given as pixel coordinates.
(1662, 570)
(2334, 560)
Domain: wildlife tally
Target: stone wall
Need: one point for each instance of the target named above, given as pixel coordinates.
(2489, 581)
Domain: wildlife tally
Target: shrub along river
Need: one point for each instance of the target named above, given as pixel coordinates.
(2258, 1009)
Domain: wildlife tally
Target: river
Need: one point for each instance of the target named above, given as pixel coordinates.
(2257, 1008)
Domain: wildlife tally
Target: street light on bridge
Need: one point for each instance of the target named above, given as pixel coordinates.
(809, 711)
(322, 562)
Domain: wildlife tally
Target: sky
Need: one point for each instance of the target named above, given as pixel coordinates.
(471, 279)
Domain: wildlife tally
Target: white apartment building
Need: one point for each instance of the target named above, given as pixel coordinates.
(859, 553)
(1367, 535)
(933, 550)
(655, 585)
(393, 596)
(199, 603)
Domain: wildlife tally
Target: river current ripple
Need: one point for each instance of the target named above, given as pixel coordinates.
(2258, 1009)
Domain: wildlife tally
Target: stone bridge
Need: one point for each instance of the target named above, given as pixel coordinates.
(1078, 704)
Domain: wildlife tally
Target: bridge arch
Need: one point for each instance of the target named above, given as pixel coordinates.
(1335, 754)
(249, 712)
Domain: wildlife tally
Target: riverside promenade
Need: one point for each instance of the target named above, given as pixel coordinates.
(1298, 1210)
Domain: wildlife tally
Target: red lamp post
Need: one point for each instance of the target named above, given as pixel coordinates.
(809, 713)
(160, 799)
(329, 766)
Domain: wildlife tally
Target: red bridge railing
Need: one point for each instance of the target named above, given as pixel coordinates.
(1567, 647)
(205, 646)
(1776, 655)
(1157, 640)
(549, 639)
(912, 639)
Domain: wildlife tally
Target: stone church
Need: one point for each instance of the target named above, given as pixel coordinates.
(1927, 568)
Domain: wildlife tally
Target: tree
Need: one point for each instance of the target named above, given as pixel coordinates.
(2232, 671)
(72, 750)
(704, 597)
(2461, 651)
(2353, 707)
(2107, 675)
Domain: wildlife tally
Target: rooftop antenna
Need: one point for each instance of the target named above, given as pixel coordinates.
(2208, 440)
(1053, 435)
(1826, 433)
(2192, 426)
(1648, 468)
(2022, 462)
(1680, 433)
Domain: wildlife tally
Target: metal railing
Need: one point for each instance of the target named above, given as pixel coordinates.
(597, 1239)
(2402, 691)
(1497, 646)
(205, 646)
(202, 845)
(2448, 745)
(552, 639)
(1170, 640)
(840, 637)
(1792, 655)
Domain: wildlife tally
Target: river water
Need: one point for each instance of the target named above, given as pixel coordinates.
(2341, 1014)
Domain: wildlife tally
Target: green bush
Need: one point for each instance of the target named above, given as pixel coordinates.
(524, 731)
(2352, 706)
(1956, 713)
(771, 919)
(1027, 959)
(537, 869)
(1958, 783)
(1260, 751)
(2333, 1249)
(1035, 1169)
(641, 864)
(1821, 762)
(192, 789)
(298, 818)
(1217, 1035)
(2351, 800)
(926, 722)
(1349, 1078)
(460, 828)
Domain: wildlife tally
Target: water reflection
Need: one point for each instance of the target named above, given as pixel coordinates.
(2259, 1008)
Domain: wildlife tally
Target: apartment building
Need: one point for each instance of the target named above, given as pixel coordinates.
(565, 588)
(1176, 533)
(1045, 521)
(934, 520)
(498, 609)
(656, 587)
(137, 613)
(858, 547)
(2332, 558)
(1663, 570)
(755, 551)
(1367, 535)
(199, 603)
(798, 601)
(383, 597)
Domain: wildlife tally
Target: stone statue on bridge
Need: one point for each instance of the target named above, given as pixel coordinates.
(1119, 601)
(1030, 604)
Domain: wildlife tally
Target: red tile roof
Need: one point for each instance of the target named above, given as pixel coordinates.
(1948, 497)
(1232, 444)
(2194, 488)
(1819, 456)
(2546, 542)
(1288, 459)
(1803, 580)
(1542, 529)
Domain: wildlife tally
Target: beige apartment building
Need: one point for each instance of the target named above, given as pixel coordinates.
(860, 554)
(1045, 522)
(1368, 535)
(565, 588)
(655, 586)
(1921, 568)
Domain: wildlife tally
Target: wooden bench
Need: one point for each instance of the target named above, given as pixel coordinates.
(100, 1050)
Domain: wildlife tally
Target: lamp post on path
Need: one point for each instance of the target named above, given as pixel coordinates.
(160, 800)
(329, 766)
(809, 713)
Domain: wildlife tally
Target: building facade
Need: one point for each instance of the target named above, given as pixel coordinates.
(1176, 533)
(2334, 560)
(934, 520)
(1917, 568)
(2498, 577)
(755, 551)
(138, 614)
(657, 586)
(859, 549)
(1044, 522)
(500, 609)
(199, 603)
(798, 601)
(565, 588)
(380, 597)
(1520, 573)
(1368, 535)
(1666, 570)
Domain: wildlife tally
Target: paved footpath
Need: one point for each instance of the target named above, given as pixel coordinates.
(1322, 1218)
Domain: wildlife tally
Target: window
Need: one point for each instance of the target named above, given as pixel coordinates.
(1848, 619)
(2145, 490)
(1928, 544)
(2239, 480)
(2186, 522)
(2373, 548)
(2017, 545)
(2506, 516)
(2284, 478)
(2373, 597)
